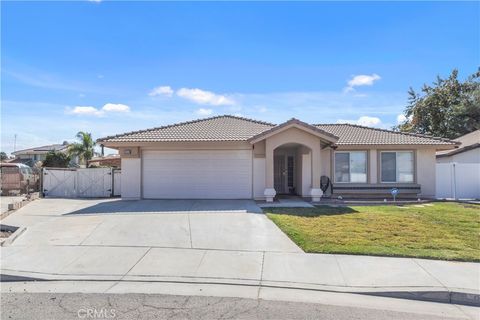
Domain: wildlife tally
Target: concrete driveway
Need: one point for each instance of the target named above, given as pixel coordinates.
(222, 242)
(194, 224)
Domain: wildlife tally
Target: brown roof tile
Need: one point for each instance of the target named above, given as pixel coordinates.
(351, 134)
(232, 128)
(220, 128)
(330, 136)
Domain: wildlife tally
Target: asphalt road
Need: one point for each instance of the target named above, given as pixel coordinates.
(153, 306)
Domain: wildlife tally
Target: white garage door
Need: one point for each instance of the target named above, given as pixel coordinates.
(201, 174)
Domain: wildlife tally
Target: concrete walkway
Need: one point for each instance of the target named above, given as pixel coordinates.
(236, 247)
(286, 202)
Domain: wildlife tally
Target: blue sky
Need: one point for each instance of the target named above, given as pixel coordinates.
(111, 67)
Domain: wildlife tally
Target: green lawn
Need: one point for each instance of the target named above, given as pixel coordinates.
(438, 230)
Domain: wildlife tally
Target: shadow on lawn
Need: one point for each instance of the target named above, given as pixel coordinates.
(312, 212)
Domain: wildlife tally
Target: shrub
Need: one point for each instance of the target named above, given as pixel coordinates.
(56, 159)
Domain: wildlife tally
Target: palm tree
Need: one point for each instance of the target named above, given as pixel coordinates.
(84, 148)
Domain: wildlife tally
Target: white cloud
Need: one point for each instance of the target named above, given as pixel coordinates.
(204, 112)
(401, 118)
(361, 80)
(85, 110)
(161, 90)
(364, 121)
(204, 97)
(95, 1)
(92, 111)
(112, 107)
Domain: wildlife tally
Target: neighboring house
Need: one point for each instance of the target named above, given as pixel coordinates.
(107, 161)
(458, 170)
(33, 155)
(229, 157)
(467, 152)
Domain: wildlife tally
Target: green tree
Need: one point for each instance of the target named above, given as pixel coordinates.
(3, 156)
(84, 149)
(56, 159)
(449, 108)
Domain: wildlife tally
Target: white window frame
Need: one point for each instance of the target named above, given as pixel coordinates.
(414, 167)
(349, 167)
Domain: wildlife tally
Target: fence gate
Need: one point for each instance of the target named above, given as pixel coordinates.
(77, 183)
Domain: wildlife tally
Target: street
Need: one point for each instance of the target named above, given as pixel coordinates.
(154, 306)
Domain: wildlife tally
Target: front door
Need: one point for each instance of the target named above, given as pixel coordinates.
(279, 173)
(284, 170)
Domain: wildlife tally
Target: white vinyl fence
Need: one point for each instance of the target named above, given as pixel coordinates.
(458, 180)
(78, 183)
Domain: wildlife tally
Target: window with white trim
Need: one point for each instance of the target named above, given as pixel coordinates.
(397, 166)
(351, 166)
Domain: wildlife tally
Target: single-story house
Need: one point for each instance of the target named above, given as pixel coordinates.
(228, 157)
(458, 170)
(467, 152)
(33, 155)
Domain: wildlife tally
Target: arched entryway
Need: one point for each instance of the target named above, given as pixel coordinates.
(291, 169)
(295, 135)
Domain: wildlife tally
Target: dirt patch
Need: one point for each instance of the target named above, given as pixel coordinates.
(5, 234)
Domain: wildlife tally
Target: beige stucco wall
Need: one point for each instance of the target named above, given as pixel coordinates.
(425, 173)
(296, 136)
(307, 177)
(259, 149)
(258, 178)
(325, 162)
(372, 166)
(129, 152)
(131, 178)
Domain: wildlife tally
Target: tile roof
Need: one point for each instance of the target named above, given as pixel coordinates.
(468, 142)
(220, 128)
(232, 128)
(329, 136)
(42, 149)
(457, 151)
(351, 134)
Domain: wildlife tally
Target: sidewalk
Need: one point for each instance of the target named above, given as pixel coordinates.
(419, 279)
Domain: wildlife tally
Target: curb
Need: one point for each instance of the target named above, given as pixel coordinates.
(12, 207)
(447, 296)
(453, 297)
(17, 232)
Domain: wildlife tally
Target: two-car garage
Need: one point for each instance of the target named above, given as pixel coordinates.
(196, 174)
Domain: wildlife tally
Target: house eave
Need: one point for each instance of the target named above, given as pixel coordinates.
(294, 123)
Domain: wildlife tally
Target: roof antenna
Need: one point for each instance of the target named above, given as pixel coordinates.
(15, 143)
